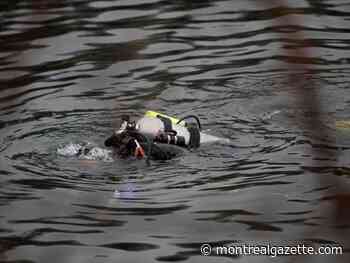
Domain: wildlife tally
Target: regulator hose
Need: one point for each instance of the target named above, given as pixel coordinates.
(191, 117)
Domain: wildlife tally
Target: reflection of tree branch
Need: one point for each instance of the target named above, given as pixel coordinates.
(308, 98)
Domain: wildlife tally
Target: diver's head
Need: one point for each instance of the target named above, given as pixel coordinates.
(123, 139)
(123, 144)
(119, 136)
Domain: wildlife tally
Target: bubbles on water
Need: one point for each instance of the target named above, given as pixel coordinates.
(96, 153)
(85, 151)
(70, 149)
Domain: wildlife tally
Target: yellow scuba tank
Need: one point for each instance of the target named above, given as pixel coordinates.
(154, 114)
(157, 128)
(165, 129)
(160, 128)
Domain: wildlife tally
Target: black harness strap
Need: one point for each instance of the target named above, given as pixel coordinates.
(195, 136)
(168, 127)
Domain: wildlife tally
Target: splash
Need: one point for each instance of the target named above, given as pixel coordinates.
(70, 149)
(85, 151)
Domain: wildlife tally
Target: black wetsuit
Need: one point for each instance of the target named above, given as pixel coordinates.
(162, 151)
(125, 146)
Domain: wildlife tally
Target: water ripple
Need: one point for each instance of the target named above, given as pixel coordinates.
(70, 70)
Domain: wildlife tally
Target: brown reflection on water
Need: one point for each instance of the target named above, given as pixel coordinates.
(308, 98)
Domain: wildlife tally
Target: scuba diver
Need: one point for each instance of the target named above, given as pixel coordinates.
(157, 136)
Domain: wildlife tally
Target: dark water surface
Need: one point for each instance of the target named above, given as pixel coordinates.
(70, 69)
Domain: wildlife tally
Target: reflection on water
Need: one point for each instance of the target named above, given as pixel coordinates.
(70, 69)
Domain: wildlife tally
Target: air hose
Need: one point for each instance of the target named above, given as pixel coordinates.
(189, 117)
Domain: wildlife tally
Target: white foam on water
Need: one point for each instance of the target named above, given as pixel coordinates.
(96, 153)
(207, 138)
(85, 151)
(70, 149)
